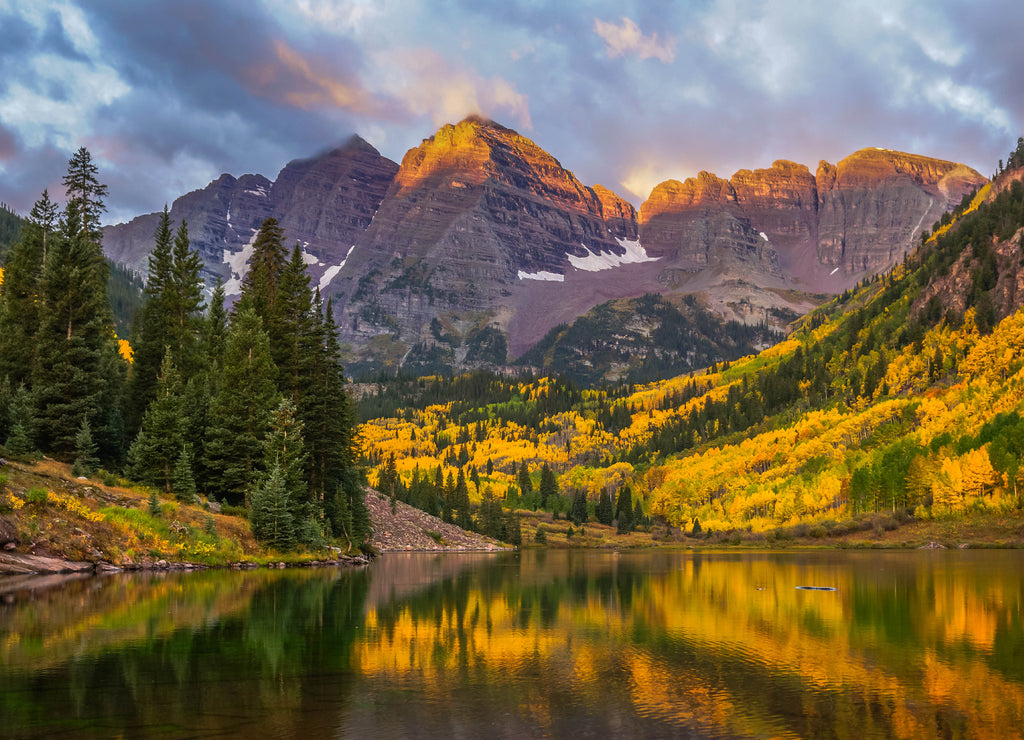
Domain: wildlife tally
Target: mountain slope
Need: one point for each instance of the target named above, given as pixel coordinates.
(889, 401)
(325, 203)
(481, 230)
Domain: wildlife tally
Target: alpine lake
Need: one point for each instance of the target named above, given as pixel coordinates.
(558, 643)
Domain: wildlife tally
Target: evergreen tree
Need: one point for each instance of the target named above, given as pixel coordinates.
(183, 302)
(184, 482)
(624, 511)
(86, 193)
(85, 450)
(240, 412)
(110, 428)
(21, 418)
(271, 518)
(158, 444)
(513, 530)
(579, 507)
(637, 520)
(464, 519)
(75, 326)
(540, 536)
(215, 327)
(295, 348)
(260, 285)
(525, 484)
(284, 448)
(605, 508)
(330, 431)
(170, 320)
(548, 485)
(19, 299)
(44, 216)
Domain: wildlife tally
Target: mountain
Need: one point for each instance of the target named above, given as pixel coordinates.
(325, 203)
(899, 401)
(480, 242)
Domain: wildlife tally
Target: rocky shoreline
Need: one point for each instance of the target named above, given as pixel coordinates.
(397, 527)
(20, 564)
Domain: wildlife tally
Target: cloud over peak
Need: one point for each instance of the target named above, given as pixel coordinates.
(626, 39)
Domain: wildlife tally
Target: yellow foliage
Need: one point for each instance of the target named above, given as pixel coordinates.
(125, 350)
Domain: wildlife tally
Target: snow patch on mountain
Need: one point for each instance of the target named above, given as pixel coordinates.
(238, 263)
(635, 253)
(331, 272)
(553, 277)
(307, 258)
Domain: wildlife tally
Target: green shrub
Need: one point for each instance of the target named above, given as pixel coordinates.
(231, 510)
(37, 496)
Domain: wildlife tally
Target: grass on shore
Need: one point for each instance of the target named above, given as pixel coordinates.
(877, 530)
(47, 511)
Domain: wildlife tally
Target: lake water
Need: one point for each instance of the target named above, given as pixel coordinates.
(925, 644)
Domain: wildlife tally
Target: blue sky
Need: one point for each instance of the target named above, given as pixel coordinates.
(168, 95)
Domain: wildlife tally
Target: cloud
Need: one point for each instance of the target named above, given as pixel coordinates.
(626, 39)
(445, 92)
(969, 101)
(8, 145)
(170, 93)
(308, 83)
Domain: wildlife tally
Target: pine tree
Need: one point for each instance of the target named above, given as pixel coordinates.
(184, 482)
(284, 448)
(461, 502)
(151, 335)
(513, 529)
(605, 509)
(44, 216)
(624, 511)
(240, 412)
(548, 485)
(270, 515)
(21, 418)
(159, 442)
(86, 193)
(525, 484)
(330, 432)
(19, 299)
(637, 520)
(260, 285)
(183, 302)
(75, 326)
(294, 350)
(579, 507)
(85, 450)
(215, 327)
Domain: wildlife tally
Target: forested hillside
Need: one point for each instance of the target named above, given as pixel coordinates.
(904, 395)
(248, 409)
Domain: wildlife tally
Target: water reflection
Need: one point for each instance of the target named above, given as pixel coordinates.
(561, 643)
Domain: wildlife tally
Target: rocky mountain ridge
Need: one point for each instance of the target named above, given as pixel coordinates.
(480, 232)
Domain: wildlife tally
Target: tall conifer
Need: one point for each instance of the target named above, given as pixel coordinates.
(240, 411)
(151, 339)
(75, 324)
(19, 299)
(158, 444)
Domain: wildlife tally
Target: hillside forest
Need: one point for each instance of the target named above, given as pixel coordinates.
(246, 408)
(902, 397)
